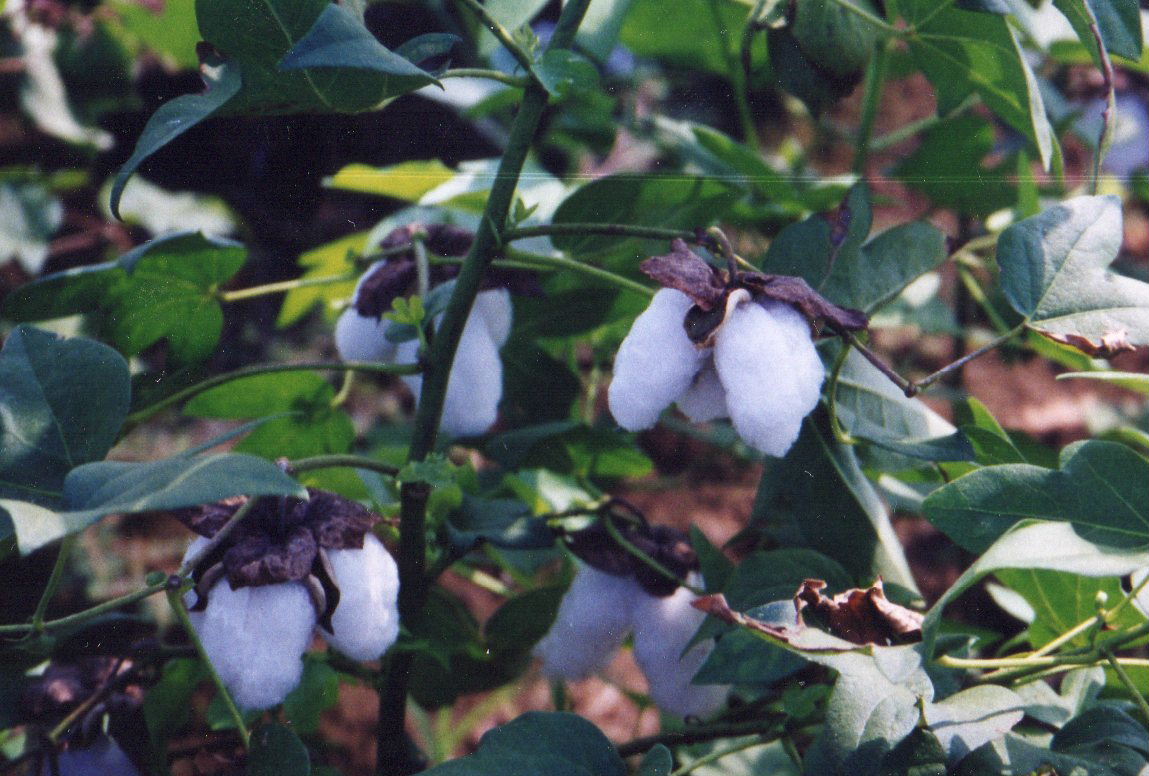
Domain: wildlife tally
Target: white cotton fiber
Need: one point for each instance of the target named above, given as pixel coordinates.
(495, 309)
(366, 621)
(771, 371)
(103, 758)
(705, 400)
(256, 637)
(592, 622)
(362, 338)
(656, 363)
(662, 629)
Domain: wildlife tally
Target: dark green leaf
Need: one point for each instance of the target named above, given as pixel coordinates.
(540, 744)
(1102, 489)
(167, 704)
(818, 497)
(564, 72)
(657, 762)
(715, 567)
(176, 117)
(428, 46)
(317, 691)
(62, 403)
(276, 751)
(96, 490)
(565, 313)
(536, 387)
(970, 718)
(991, 444)
(1019, 755)
(1102, 724)
(700, 44)
(1054, 271)
(502, 522)
(918, 754)
(800, 76)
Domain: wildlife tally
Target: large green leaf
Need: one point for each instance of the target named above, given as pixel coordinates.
(1118, 21)
(62, 403)
(963, 53)
(96, 490)
(540, 744)
(163, 289)
(1054, 271)
(818, 497)
(1101, 488)
(845, 268)
(704, 43)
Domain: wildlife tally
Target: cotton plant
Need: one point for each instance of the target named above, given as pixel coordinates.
(613, 596)
(365, 333)
(290, 569)
(735, 345)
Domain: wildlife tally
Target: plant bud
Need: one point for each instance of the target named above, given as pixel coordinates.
(656, 363)
(366, 621)
(593, 620)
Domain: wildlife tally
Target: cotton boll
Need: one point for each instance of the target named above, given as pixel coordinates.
(366, 621)
(103, 758)
(662, 629)
(705, 400)
(363, 338)
(592, 622)
(656, 363)
(495, 309)
(256, 637)
(771, 371)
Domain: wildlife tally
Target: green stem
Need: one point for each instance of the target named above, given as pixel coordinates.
(840, 433)
(175, 599)
(875, 82)
(978, 295)
(302, 465)
(862, 13)
(1127, 680)
(344, 393)
(746, 52)
(696, 734)
(499, 31)
(941, 6)
(282, 286)
(738, 78)
(613, 230)
(481, 72)
(929, 380)
(66, 546)
(1109, 114)
(139, 416)
(645, 559)
(716, 755)
(914, 127)
(87, 614)
(558, 263)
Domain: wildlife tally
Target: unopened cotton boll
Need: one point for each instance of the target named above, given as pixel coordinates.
(656, 362)
(592, 622)
(662, 629)
(255, 638)
(366, 621)
(770, 369)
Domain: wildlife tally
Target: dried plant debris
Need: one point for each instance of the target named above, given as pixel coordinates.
(669, 547)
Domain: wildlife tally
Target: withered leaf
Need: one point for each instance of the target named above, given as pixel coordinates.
(1112, 342)
(860, 616)
(258, 560)
(686, 271)
(666, 545)
(383, 286)
(797, 292)
(338, 523)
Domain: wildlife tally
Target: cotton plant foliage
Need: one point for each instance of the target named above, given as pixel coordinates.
(737, 346)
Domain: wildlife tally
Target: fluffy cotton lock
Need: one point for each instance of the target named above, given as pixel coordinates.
(762, 372)
(366, 621)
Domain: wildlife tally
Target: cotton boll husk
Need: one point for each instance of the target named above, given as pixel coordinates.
(592, 622)
(656, 362)
(662, 629)
(256, 637)
(495, 309)
(366, 621)
(771, 371)
(363, 338)
(705, 400)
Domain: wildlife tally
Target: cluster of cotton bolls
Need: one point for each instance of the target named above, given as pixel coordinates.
(598, 612)
(762, 370)
(279, 581)
(475, 385)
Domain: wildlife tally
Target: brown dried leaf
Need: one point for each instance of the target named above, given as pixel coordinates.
(384, 285)
(666, 545)
(686, 271)
(1112, 342)
(338, 523)
(256, 559)
(860, 616)
(797, 292)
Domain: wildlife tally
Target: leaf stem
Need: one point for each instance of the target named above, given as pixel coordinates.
(282, 286)
(1127, 680)
(558, 263)
(907, 131)
(696, 734)
(302, 465)
(87, 614)
(1108, 114)
(614, 230)
(175, 599)
(929, 380)
(737, 76)
(66, 547)
(716, 755)
(482, 72)
(875, 82)
(499, 31)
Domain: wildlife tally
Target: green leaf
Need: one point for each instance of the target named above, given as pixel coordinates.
(1102, 724)
(29, 216)
(963, 53)
(276, 751)
(570, 448)
(1040, 545)
(175, 118)
(317, 691)
(918, 754)
(657, 762)
(800, 76)
(167, 704)
(1101, 489)
(1132, 381)
(715, 567)
(563, 72)
(1054, 272)
(539, 744)
(701, 44)
(1015, 754)
(835, 38)
(502, 522)
(818, 497)
(96, 490)
(970, 718)
(62, 403)
(846, 269)
(1118, 21)
(871, 407)
(991, 444)
(407, 181)
(601, 26)
(1060, 601)
(328, 260)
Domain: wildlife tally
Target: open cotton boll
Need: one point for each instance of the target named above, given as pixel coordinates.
(592, 622)
(656, 362)
(495, 309)
(256, 637)
(662, 629)
(362, 338)
(771, 371)
(366, 621)
(705, 400)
